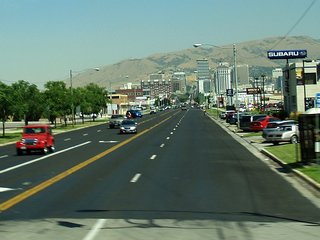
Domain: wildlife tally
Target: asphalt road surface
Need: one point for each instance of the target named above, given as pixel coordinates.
(180, 177)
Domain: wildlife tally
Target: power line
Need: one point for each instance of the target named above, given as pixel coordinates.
(296, 23)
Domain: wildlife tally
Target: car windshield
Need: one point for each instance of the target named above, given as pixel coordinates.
(35, 130)
(117, 116)
(128, 122)
(285, 128)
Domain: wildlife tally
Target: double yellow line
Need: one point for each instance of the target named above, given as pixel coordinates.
(28, 193)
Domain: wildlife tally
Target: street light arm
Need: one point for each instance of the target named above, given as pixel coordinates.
(196, 45)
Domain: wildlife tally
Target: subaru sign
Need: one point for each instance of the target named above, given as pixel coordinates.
(286, 54)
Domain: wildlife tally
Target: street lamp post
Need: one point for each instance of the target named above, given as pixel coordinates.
(235, 75)
(71, 92)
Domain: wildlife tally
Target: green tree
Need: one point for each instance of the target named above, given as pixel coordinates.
(28, 101)
(5, 104)
(58, 100)
(95, 98)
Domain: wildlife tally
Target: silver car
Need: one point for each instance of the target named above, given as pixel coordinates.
(128, 126)
(285, 133)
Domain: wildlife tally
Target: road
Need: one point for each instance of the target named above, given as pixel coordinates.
(181, 177)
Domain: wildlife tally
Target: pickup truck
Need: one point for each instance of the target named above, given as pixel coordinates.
(36, 138)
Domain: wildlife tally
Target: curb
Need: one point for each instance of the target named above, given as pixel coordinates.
(302, 176)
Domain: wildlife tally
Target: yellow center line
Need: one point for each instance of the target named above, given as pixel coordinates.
(28, 193)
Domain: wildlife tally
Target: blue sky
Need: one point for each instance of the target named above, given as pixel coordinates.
(41, 40)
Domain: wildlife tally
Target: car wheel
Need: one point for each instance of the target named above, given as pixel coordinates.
(294, 139)
(52, 149)
(45, 150)
(19, 152)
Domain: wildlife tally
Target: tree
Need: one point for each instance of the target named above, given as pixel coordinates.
(57, 99)
(94, 99)
(5, 104)
(28, 102)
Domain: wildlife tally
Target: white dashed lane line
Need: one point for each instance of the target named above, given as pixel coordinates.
(153, 157)
(162, 145)
(85, 134)
(135, 178)
(4, 156)
(67, 139)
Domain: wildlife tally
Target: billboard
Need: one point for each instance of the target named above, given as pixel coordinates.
(286, 54)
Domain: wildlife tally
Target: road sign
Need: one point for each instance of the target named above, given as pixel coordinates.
(253, 91)
(229, 92)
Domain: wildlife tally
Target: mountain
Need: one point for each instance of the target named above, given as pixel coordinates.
(252, 53)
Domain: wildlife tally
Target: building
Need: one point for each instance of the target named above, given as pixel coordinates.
(179, 82)
(277, 78)
(243, 74)
(223, 82)
(301, 84)
(203, 77)
(156, 87)
(132, 93)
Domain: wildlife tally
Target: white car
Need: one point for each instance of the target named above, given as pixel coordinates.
(285, 133)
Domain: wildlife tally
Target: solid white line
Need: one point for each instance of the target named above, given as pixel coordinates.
(135, 178)
(162, 145)
(4, 156)
(41, 158)
(95, 229)
(153, 157)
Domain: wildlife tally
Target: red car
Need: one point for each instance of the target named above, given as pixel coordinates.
(261, 123)
(36, 138)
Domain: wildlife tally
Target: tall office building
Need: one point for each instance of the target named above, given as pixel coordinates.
(243, 74)
(179, 82)
(203, 76)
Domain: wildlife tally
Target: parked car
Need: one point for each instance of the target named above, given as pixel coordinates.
(261, 123)
(128, 126)
(229, 114)
(153, 110)
(116, 120)
(234, 118)
(245, 121)
(36, 138)
(271, 126)
(222, 115)
(133, 114)
(285, 133)
(184, 107)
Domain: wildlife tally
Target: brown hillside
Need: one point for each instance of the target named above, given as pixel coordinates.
(252, 53)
